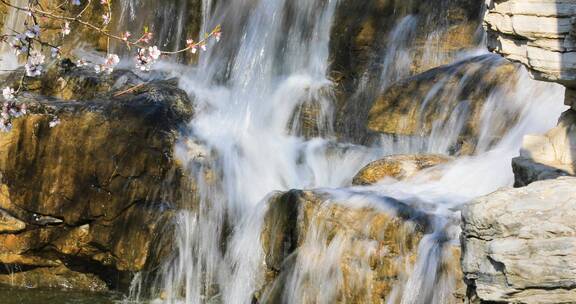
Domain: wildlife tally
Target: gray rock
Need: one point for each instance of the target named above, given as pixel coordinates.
(548, 156)
(519, 245)
(539, 34)
(527, 171)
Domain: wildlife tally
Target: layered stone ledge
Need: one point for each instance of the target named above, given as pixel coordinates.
(537, 33)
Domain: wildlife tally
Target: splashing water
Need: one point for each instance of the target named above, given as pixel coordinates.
(245, 144)
(241, 151)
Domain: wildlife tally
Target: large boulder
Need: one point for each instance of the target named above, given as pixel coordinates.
(358, 253)
(519, 245)
(420, 104)
(362, 39)
(89, 180)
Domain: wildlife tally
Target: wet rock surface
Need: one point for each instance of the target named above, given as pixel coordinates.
(85, 203)
(398, 167)
(416, 105)
(362, 37)
(371, 248)
(519, 244)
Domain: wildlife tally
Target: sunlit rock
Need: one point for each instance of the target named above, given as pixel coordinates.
(378, 42)
(397, 167)
(540, 34)
(98, 189)
(10, 224)
(59, 277)
(549, 155)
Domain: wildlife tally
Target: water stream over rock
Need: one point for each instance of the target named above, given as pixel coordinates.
(268, 119)
(248, 89)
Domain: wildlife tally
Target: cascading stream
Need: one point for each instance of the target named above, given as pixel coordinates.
(245, 144)
(247, 91)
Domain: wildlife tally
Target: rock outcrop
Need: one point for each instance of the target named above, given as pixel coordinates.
(519, 245)
(84, 202)
(542, 36)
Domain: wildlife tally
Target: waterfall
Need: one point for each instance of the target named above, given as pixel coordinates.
(265, 124)
(244, 145)
(13, 21)
(279, 62)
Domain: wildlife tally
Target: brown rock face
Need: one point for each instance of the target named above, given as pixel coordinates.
(361, 38)
(97, 191)
(362, 252)
(416, 105)
(397, 167)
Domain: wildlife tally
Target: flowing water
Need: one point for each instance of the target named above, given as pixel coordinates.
(13, 23)
(246, 96)
(244, 144)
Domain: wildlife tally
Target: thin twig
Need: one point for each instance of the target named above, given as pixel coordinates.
(130, 90)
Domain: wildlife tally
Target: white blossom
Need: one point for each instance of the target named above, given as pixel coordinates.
(5, 126)
(32, 32)
(106, 18)
(8, 93)
(81, 62)
(55, 52)
(109, 64)
(18, 46)
(66, 29)
(154, 52)
(34, 65)
(146, 57)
